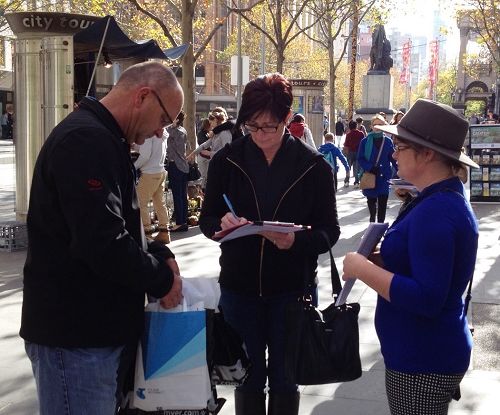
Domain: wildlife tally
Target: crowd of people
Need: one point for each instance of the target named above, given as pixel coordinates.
(90, 265)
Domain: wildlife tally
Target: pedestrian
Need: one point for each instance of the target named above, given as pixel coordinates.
(425, 263)
(351, 145)
(89, 265)
(203, 160)
(375, 156)
(331, 153)
(339, 130)
(178, 169)
(396, 118)
(216, 141)
(268, 175)
(151, 184)
(360, 126)
(299, 129)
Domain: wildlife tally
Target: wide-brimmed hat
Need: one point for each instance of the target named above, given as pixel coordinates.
(434, 125)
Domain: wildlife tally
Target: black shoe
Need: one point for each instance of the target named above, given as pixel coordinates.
(180, 228)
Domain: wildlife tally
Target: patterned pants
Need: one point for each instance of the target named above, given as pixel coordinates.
(420, 394)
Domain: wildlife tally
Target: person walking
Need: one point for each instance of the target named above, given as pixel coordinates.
(151, 184)
(339, 131)
(268, 175)
(351, 145)
(331, 153)
(426, 260)
(89, 264)
(375, 156)
(203, 135)
(178, 169)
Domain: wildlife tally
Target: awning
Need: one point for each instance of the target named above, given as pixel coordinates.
(118, 45)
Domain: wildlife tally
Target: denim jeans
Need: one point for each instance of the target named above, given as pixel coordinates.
(75, 381)
(260, 321)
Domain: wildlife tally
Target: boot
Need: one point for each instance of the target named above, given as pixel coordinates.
(283, 403)
(249, 403)
(163, 236)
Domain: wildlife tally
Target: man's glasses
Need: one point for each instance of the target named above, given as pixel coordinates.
(166, 120)
(265, 130)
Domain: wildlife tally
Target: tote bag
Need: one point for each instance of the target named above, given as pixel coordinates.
(368, 180)
(171, 367)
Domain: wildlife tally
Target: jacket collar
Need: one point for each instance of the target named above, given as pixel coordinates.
(102, 113)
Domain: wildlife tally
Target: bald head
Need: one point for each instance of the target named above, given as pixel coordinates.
(147, 97)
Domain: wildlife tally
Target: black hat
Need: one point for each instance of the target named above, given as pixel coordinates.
(436, 126)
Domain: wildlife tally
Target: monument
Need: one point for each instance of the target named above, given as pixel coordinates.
(378, 83)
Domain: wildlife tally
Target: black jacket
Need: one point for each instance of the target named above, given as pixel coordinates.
(297, 187)
(229, 125)
(87, 268)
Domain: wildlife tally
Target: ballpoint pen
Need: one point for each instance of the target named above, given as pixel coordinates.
(230, 206)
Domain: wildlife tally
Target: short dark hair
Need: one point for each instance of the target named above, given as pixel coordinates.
(297, 117)
(359, 119)
(352, 125)
(270, 93)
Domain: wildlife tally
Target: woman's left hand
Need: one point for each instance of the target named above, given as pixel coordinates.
(280, 240)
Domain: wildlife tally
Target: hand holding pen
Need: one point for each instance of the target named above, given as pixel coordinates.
(231, 219)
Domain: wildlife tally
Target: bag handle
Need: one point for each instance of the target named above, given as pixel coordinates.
(334, 273)
(379, 151)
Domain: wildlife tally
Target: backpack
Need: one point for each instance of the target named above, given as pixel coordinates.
(329, 158)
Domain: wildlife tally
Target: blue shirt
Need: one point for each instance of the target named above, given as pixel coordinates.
(431, 249)
(336, 154)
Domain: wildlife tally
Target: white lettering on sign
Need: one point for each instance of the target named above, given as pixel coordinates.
(47, 23)
(37, 21)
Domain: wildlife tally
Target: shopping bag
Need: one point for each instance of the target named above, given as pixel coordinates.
(171, 366)
(230, 362)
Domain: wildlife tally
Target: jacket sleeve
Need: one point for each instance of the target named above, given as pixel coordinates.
(92, 188)
(342, 158)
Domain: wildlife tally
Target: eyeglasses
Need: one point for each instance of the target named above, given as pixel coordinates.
(401, 147)
(266, 129)
(166, 120)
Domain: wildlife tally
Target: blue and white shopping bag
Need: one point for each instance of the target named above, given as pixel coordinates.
(171, 368)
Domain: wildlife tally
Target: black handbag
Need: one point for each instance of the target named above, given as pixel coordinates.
(322, 347)
(194, 172)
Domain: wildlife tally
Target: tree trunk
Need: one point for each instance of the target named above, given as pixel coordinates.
(188, 74)
(331, 81)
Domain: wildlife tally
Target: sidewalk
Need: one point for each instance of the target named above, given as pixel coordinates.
(198, 256)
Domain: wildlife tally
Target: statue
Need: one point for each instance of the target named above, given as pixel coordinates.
(380, 59)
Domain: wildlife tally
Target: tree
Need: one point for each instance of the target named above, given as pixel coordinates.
(281, 19)
(484, 18)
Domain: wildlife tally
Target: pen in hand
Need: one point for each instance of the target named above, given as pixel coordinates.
(230, 206)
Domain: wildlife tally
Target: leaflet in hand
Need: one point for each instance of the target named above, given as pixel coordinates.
(369, 241)
(253, 228)
(403, 184)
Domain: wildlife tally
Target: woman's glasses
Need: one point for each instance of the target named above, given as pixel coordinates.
(265, 129)
(401, 147)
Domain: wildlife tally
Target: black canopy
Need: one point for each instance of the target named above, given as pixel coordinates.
(118, 45)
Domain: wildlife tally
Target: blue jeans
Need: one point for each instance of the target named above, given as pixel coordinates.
(177, 181)
(75, 381)
(260, 321)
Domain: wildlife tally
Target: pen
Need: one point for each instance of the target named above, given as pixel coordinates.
(230, 206)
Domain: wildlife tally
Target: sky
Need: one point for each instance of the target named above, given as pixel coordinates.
(416, 17)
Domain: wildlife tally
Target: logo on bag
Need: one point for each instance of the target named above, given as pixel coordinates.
(140, 393)
(94, 184)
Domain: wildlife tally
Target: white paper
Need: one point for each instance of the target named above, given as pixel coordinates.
(369, 241)
(253, 229)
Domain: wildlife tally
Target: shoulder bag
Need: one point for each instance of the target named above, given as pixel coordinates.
(322, 347)
(368, 180)
(194, 172)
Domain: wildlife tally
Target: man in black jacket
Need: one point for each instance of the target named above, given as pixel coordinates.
(89, 265)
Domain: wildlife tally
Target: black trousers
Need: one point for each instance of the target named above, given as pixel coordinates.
(377, 206)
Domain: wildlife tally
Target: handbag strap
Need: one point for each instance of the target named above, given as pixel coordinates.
(334, 273)
(379, 151)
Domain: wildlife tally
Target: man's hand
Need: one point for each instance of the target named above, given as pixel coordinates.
(174, 296)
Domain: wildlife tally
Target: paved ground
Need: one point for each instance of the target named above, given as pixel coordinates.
(199, 257)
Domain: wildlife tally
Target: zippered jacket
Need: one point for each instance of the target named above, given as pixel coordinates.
(297, 187)
(88, 266)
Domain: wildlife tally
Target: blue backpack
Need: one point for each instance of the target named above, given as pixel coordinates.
(329, 158)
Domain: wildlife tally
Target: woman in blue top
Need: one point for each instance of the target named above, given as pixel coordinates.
(426, 260)
(375, 156)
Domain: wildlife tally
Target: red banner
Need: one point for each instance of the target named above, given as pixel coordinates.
(433, 66)
(404, 78)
